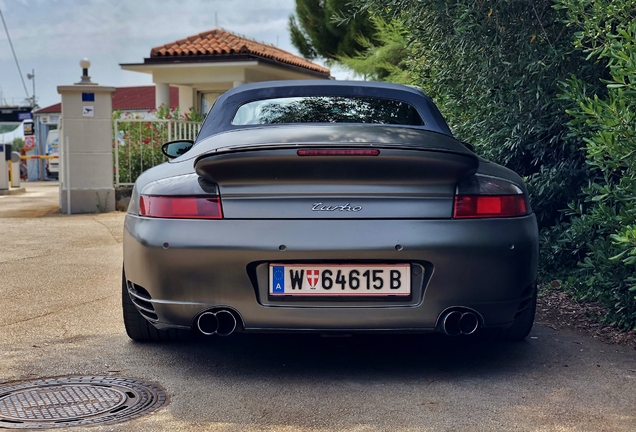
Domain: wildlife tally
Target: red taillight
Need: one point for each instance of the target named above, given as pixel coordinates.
(489, 206)
(180, 207)
(339, 152)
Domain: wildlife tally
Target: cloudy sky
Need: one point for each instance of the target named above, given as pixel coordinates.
(51, 36)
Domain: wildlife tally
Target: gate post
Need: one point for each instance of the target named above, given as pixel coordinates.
(86, 147)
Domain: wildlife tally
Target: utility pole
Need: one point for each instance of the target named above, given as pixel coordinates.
(15, 57)
(31, 76)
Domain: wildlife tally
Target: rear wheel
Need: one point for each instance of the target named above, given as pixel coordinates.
(139, 329)
(521, 327)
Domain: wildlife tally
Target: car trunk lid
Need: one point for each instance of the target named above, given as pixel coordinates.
(408, 179)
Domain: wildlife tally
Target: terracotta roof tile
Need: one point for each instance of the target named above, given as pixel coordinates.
(221, 42)
(127, 99)
(51, 109)
(140, 98)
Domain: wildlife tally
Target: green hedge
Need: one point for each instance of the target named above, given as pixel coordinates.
(546, 88)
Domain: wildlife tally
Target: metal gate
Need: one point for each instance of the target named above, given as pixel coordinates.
(137, 144)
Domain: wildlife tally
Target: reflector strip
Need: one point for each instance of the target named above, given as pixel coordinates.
(180, 207)
(339, 152)
(489, 206)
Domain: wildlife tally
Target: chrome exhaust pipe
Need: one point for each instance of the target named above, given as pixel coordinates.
(226, 323)
(208, 323)
(459, 322)
(468, 323)
(450, 323)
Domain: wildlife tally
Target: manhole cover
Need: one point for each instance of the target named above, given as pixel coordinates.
(76, 401)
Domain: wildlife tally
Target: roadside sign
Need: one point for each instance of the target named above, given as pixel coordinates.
(28, 128)
(14, 114)
(29, 142)
(50, 119)
(88, 111)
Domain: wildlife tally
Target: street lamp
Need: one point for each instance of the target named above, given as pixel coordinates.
(31, 76)
(85, 64)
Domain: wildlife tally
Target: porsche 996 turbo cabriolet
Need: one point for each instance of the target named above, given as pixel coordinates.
(328, 207)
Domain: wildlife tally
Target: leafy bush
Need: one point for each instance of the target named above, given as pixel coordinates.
(494, 68)
(139, 142)
(139, 148)
(602, 232)
(546, 88)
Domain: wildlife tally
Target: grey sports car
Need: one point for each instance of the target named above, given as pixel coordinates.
(329, 207)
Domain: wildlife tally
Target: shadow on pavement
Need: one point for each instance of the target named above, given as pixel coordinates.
(390, 356)
(366, 382)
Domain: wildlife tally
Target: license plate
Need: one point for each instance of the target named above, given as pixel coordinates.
(340, 280)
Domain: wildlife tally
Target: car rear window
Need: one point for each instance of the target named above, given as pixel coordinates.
(327, 109)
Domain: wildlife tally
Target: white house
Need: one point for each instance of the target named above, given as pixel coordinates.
(208, 64)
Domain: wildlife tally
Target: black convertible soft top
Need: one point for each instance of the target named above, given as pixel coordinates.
(220, 117)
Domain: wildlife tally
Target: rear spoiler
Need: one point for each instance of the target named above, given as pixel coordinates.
(283, 165)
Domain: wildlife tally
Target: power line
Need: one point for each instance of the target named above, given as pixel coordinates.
(14, 56)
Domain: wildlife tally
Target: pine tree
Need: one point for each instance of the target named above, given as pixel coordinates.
(329, 29)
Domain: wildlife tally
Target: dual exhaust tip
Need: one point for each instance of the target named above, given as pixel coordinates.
(222, 323)
(457, 323)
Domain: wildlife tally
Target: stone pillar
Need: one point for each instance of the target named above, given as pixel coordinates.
(186, 99)
(162, 95)
(4, 167)
(86, 148)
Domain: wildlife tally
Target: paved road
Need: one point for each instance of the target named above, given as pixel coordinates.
(60, 315)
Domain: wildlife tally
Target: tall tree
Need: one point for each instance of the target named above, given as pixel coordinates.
(329, 29)
(494, 68)
(387, 59)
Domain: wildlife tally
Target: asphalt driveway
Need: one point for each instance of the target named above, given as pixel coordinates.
(60, 315)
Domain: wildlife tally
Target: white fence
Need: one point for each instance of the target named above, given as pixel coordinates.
(137, 144)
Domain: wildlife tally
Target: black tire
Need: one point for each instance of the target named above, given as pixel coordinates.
(522, 326)
(139, 329)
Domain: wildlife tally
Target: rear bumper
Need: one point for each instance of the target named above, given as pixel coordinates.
(189, 266)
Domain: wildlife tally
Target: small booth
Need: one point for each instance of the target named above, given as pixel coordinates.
(85, 144)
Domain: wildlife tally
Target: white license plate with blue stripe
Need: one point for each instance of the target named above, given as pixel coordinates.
(340, 280)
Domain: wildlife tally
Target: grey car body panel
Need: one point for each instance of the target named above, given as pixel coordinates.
(190, 266)
(416, 172)
(485, 265)
(398, 183)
